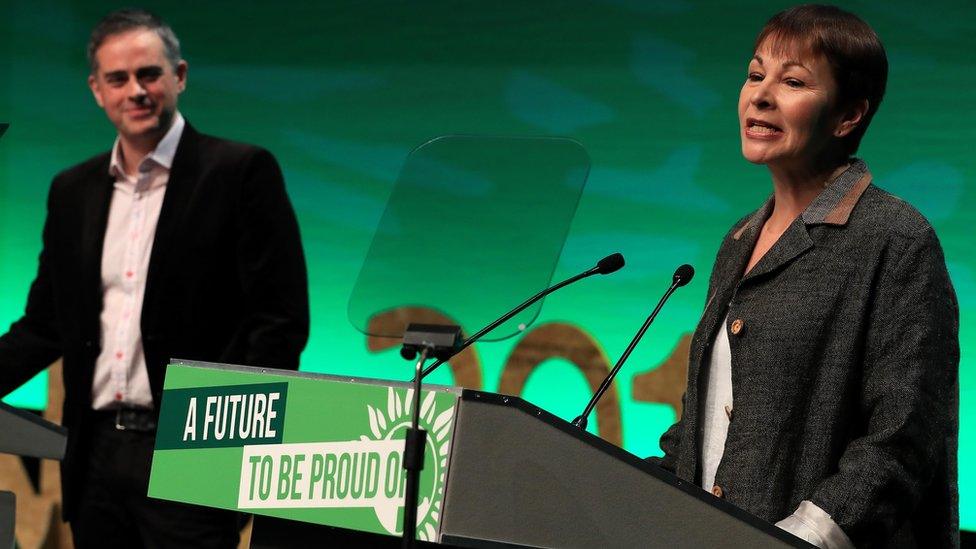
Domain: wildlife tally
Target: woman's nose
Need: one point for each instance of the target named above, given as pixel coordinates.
(762, 96)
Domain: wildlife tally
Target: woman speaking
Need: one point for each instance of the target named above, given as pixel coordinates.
(823, 377)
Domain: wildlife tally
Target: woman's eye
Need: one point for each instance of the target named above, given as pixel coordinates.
(754, 77)
(794, 83)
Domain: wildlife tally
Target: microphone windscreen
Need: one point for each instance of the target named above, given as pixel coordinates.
(683, 274)
(610, 264)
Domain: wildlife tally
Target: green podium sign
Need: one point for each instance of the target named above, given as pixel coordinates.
(309, 447)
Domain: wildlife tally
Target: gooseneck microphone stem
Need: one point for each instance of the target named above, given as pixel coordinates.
(606, 265)
(525, 304)
(681, 277)
(413, 459)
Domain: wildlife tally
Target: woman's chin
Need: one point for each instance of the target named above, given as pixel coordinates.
(755, 157)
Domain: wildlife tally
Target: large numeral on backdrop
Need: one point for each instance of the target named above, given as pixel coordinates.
(664, 383)
(559, 340)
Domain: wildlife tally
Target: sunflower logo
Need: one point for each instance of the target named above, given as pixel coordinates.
(392, 423)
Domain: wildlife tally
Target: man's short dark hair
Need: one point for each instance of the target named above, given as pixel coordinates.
(851, 47)
(128, 19)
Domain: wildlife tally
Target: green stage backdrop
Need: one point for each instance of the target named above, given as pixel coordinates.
(342, 91)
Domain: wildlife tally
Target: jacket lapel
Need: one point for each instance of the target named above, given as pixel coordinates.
(736, 253)
(833, 206)
(731, 261)
(179, 189)
(790, 245)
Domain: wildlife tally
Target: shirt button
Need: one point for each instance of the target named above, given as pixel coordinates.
(717, 491)
(737, 326)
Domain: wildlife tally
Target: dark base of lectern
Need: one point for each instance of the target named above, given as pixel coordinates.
(276, 533)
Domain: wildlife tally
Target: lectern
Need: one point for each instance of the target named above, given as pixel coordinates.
(500, 472)
(24, 434)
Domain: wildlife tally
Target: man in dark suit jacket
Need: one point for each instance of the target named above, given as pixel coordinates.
(173, 244)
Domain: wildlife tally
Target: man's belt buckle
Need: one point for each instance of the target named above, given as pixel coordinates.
(118, 420)
(134, 420)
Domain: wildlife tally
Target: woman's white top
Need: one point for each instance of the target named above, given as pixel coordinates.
(718, 406)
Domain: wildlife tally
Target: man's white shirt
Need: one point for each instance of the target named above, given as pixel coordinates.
(121, 377)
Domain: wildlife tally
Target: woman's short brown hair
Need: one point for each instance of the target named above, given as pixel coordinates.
(849, 45)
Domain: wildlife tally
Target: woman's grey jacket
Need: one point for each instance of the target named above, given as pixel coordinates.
(844, 370)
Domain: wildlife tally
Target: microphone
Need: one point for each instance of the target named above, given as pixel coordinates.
(611, 263)
(682, 276)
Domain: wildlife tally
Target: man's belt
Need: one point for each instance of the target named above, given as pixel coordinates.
(140, 420)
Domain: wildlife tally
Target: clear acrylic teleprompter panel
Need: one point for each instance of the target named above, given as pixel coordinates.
(473, 227)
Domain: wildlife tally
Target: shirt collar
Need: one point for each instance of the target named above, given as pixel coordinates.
(163, 153)
(832, 206)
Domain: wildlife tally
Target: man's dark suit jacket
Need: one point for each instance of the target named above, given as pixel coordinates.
(845, 370)
(226, 282)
